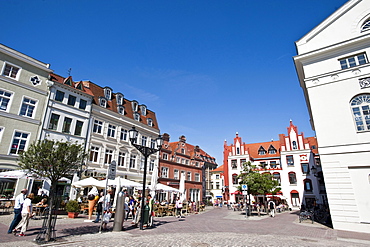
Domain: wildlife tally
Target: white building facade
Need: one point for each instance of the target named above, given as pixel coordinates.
(289, 160)
(334, 72)
(112, 117)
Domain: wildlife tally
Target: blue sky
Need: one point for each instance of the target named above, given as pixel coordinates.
(208, 69)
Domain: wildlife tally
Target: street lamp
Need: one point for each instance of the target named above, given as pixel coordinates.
(146, 151)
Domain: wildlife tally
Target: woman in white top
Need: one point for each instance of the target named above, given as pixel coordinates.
(26, 215)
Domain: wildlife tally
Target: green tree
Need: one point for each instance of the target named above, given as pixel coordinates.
(53, 160)
(258, 183)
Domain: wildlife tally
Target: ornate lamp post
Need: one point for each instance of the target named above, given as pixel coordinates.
(146, 151)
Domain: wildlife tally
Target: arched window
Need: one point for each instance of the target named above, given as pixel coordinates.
(361, 111)
(366, 26)
(276, 176)
(307, 185)
(294, 144)
(292, 178)
(235, 178)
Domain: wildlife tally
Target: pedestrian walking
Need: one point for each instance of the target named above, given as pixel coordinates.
(17, 210)
(178, 208)
(26, 215)
(272, 208)
(99, 208)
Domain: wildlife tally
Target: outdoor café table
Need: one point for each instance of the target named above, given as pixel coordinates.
(170, 210)
(38, 210)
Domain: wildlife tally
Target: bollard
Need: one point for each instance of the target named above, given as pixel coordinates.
(120, 213)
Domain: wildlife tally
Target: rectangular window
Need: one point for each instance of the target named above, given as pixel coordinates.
(165, 156)
(164, 172)
(123, 136)
(53, 124)
(272, 164)
(28, 107)
(197, 164)
(98, 125)
(121, 159)
(177, 160)
(183, 161)
(144, 141)
(353, 61)
(19, 142)
(290, 160)
(187, 162)
(94, 154)
(111, 131)
(4, 99)
(305, 168)
(217, 185)
(11, 71)
(108, 156)
(176, 174)
(217, 176)
(59, 96)
(188, 177)
(151, 165)
(132, 161)
(83, 104)
(152, 143)
(234, 164)
(71, 100)
(67, 125)
(197, 177)
(78, 129)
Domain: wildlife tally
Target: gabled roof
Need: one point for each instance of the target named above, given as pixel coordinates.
(75, 85)
(254, 147)
(219, 169)
(112, 105)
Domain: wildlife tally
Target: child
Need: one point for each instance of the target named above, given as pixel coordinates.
(106, 218)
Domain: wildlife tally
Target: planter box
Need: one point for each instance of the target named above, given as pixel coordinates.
(72, 215)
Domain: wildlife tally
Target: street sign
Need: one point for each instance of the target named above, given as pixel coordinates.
(245, 192)
(244, 187)
(112, 170)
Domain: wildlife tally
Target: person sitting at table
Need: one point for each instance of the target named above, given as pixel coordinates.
(42, 203)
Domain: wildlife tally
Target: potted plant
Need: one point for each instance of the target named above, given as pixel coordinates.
(73, 208)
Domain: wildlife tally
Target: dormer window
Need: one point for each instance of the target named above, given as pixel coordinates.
(121, 110)
(150, 122)
(143, 110)
(261, 151)
(119, 98)
(103, 102)
(272, 150)
(137, 116)
(68, 82)
(108, 93)
(135, 106)
(366, 26)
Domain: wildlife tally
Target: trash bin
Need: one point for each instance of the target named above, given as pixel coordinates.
(146, 214)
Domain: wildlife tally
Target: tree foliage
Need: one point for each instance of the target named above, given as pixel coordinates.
(52, 159)
(258, 183)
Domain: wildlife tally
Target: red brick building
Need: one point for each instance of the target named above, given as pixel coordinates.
(178, 158)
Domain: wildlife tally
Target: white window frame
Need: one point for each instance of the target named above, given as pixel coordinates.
(197, 177)
(151, 165)
(25, 139)
(132, 161)
(188, 176)
(50, 125)
(150, 122)
(108, 156)
(121, 159)
(111, 132)
(164, 172)
(13, 66)
(353, 61)
(30, 107)
(108, 93)
(103, 102)
(137, 116)
(1, 132)
(94, 154)
(123, 134)
(360, 108)
(99, 126)
(143, 110)
(119, 98)
(9, 98)
(176, 174)
(121, 110)
(135, 106)
(165, 156)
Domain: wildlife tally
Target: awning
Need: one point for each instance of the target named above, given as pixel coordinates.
(236, 193)
(219, 196)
